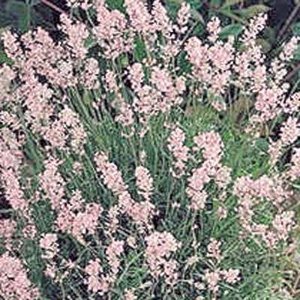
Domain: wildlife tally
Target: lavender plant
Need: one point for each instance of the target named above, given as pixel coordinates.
(124, 173)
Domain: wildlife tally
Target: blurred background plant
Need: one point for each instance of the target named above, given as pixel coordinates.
(23, 15)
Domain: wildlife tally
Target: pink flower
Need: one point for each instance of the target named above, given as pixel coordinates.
(96, 283)
(222, 213)
(160, 18)
(129, 295)
(77, 34)
(290, 131)
(214, 250)
(257, 24)
(113, 252)
(179, 151)
(211, 63)
(136, 76)
(158, 250)
(52, 183)
(275, 151)
(231, 275)
(89, 78)
(212, 279)
(283, 224)
(144, 182)
(112, 31)
(49, 243)
(140, 19)
(294, 171)
(7, 228)
(78, 218)
(183, 16)
(214, 29)
(111, 176)
(249, 193)
(211, 144)
(125, 116)
(12, 46)
(289, 49)
(14, 283)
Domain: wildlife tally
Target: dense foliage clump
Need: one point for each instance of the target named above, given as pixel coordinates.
(128, 168)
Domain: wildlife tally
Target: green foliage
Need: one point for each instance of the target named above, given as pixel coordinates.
(22, 11)
(296, 29)
(23, 15)
(260, 268)
(252, 11)
(231, 30)
(139, 49)
(116, 4)
(32, 256)
(3, 58)
(44, 216)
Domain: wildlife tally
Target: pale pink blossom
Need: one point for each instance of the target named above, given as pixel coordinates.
(292, 103)
(275, 151)
(77, 34)
(112, 31)
(214, 28)
(140, 18)
(179, 151)
(290, 131)
(95, 281)
(256, 25)
(160, 246)
(183, 16)
(52, 182)
(222, 213)
(89, 77)
(50, 246)
(112, 177)
(231, 276)
(294, 171)
(214, 250)
(289, 49)
(283, 223)
(78, 218)
(161, 21)
(212, 278)
(136, 76)
(144, 182)
(129, 295)
(14, 282)
(113, 252)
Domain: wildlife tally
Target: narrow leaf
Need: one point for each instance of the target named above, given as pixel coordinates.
(229, 3)
(231, 30)
(253, 10)
(296, 29)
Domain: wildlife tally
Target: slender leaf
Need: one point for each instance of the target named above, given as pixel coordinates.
(231, 3)
(296, 29)
(253, 10)
(231, 30)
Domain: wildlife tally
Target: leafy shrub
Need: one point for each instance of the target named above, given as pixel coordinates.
(128, 171)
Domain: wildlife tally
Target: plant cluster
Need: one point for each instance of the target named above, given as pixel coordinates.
(123, 172)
